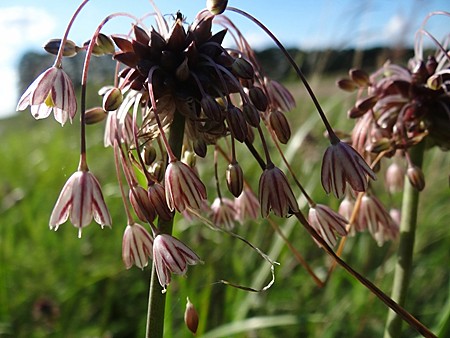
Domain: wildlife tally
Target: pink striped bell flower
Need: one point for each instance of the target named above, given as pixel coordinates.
(341, 165)
(170, 255)
(81, 199)
(327, 223)
(137, 246)
(51, 91)
(183, 187)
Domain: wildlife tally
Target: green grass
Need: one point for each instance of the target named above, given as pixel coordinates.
(94, 296)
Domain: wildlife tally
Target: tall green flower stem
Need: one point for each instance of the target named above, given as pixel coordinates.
(157, 299)
(403, 266)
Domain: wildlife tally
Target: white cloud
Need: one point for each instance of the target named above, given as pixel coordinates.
(20, 28)
(395, 29)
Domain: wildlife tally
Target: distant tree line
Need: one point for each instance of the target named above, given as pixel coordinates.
(324, 62)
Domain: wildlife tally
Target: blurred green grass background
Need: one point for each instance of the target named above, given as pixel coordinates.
(53, 284)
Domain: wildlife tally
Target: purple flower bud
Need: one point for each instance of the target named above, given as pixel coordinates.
(191, 317)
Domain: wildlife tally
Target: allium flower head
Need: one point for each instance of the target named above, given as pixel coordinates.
(342, 164)
(184, 71)
(81, 198)
(275, 193)
(137, 246)
(171, 256)
(52, 90)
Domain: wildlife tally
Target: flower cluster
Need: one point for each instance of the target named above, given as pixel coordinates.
(177, 92)
(398, 108)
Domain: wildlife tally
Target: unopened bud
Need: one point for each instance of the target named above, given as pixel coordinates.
(94, 115)
(70, 48)
(141, 204)
(434, 82)
(200, 147)
(416, 177)
(236, 123)
(112, 99)
(366, 104)
(280, 126)
(211, 108)
(394, 178)
(104, 45)
(191, 317)
(354, 113)
(258, 98)
(149, 154)
(157, 170)
(216, 7)
(347, 85)
(189, 158)
(235, 179)
(360, 77)
(251, 114)
(242, 68)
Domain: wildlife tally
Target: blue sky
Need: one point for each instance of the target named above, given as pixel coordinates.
(28, 24)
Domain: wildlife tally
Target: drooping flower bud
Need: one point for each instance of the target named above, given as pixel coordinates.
(112, 99)
(200, 147)
(242, 68)
(347, 85)
(416, 177)
(70, 48)
(236, 123)
(211, 108)
(258, 98)
(360, 77)
(394, 177)
(280, 125)
(103, 45)
(157, 170)
(251, 114)
(216, 7)
(366, 104)
(235, 179)
(149, 154)
(94, 115)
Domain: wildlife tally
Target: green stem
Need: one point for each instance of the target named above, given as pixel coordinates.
(403, 266)
(157, 299)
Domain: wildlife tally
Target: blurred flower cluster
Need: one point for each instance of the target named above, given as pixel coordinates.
(397, 107)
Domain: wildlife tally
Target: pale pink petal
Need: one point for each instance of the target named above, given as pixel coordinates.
(63, 205)
(41, 111)
(43, 86)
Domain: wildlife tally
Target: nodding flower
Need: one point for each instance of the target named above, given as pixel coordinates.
(51, 91)
(170, 255)
(81, 199)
